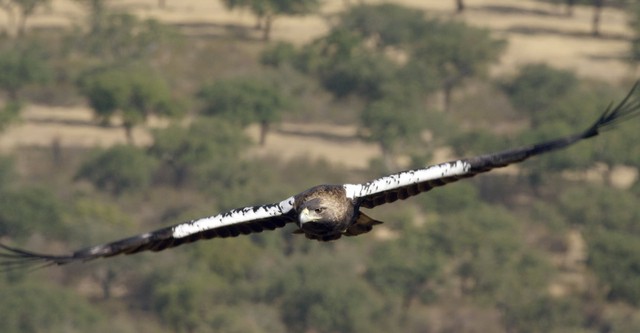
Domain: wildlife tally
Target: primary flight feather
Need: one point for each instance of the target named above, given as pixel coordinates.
(324, 212)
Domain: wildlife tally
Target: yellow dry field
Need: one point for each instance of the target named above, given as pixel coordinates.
(534, 30)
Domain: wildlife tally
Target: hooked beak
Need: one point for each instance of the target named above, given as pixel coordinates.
(307, 216)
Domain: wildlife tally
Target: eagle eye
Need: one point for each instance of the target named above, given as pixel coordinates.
(319, 210)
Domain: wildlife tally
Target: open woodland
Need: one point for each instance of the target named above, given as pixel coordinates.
(122, 116)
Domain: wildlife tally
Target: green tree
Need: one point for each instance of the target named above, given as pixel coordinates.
(595, 21)
(196, 299)
(392, 122)
(346, 66)
(189, 154)
(456, 52)
(97, 10)
(134, 93)
(40, 307)
(418, 52)
(541, 313)
(598, 207)
(614, 257)
(21, 65)
(325, 295)
(537, 87)
(451, 198)
(118, 169)
(278, 54)
(482, 245)
(634, 23)
(28, 210)
(406, 267)
(355, 58)
(7, 172)
(244, 101)
(180, 301)
(386, 24)
(116, 38)
(266, 11)
(18, 11)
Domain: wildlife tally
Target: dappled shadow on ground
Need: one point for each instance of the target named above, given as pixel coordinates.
(620, 56)
(510, 10)
(70, 122)
(219, 31)
(319, 134)
(579, 34)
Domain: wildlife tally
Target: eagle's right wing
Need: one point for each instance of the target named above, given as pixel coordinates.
(230, 224)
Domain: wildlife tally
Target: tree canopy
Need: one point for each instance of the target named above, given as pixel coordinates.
(132, 93)
(266, 11)
(245, 101)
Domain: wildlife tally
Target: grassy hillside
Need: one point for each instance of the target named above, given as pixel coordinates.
(550, 245)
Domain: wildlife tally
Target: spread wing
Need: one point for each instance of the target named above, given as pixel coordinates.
(409, 183)
(230, 224)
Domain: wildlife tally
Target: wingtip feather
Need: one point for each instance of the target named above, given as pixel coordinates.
(627, 108)
(12, 258)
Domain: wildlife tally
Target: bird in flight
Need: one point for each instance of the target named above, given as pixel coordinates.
(323, 212)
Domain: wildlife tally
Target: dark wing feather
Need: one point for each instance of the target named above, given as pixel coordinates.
(405, 184)
(233, 223)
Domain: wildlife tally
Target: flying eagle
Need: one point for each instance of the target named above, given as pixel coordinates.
(324, 212)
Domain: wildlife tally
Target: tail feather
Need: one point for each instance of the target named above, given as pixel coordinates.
(362, 225)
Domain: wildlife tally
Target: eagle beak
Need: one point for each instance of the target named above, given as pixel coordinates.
(306, 216)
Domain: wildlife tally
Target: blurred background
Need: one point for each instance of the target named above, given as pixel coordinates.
(122, 116)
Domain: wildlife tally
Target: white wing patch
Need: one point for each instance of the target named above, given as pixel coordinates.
(406, 178)
(232, 217)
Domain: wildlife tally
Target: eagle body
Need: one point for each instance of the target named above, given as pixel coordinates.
(327, 212)
(324, 212)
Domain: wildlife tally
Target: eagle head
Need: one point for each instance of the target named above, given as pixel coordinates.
(322, 216)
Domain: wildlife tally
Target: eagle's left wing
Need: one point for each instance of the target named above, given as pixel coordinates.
(230, 224)
(409, 183)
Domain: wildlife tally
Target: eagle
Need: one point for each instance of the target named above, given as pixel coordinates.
(324, 212)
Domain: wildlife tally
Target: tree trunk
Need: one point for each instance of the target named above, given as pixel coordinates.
(106, 283)
(597, 11)
(22, 25)
(258, 25)
(459, 6)
(264, 128)
(25, 12)
(447, 96)
(128, 131)
(13, 94)
(387, 158)
(266, 32)
(56, 152)
(569, 10)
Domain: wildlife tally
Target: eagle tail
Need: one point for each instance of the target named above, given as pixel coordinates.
(362, 225)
